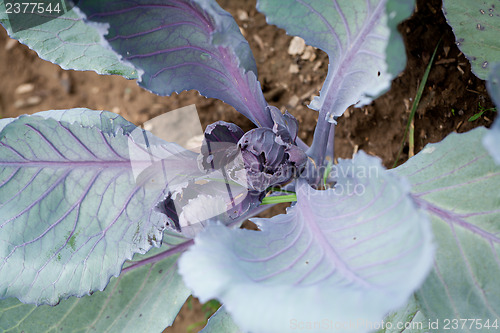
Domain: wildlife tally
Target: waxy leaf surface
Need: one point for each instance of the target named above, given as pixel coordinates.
(170, 45)
(184, 44)
(458, 183)
(356, 251)
(407, 319)
(476, 25)
(492, 139)
(360, 37)
(72, 209)
(145, 299)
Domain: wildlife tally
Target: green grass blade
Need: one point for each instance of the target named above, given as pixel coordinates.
(415, 102)
(279, 199)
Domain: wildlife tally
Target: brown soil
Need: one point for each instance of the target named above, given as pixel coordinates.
(452, 94)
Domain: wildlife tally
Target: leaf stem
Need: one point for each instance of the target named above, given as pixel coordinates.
(317, 151)
(322, 146)
(301, 144)
(330, 147)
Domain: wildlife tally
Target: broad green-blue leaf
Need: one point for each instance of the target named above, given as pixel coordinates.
(71, 208)
(491, 140)
(458, 183)
(354, 252)
(364, 47)
(70, 43)
(408, 319)
(476, 25)
(145, 299)
(221, 322)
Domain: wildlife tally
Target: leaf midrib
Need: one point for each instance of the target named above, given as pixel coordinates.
(348, 57)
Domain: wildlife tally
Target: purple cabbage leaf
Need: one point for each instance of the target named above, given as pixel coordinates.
(356, 251)
(179, 45)
(457, 182)
(172, 45)
(270, 155)
(491, 140)
(361, 40)
(72, 207)
(142, 299)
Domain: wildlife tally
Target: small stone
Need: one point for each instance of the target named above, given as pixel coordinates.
(407, 104)
(309, 53)
(259, 41)
(20, 103)
(10, 44)
(423, 134)
(297, 46)
(33, 100)
(24, 88)
(446, 50)
(158, 108)
(30, 101)
(294, 69)
(65, 81)
(294, 101)
(242, 15)
(317, 66)
(310, 94)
